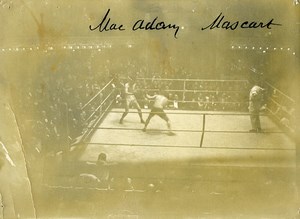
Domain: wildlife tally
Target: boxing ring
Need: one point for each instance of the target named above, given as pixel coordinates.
(201, 137)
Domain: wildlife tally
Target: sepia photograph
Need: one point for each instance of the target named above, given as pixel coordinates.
(131, 109)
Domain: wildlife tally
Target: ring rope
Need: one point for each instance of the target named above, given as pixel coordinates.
(99, 107)
(283, 94)
(185, 146)
(189, 80)
(192, 113)
(183, 130)
(95, 96)
(196, 101)
(194, 90)
(203, 131)
(95, 123)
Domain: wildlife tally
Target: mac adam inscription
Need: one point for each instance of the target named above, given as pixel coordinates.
(107, 24)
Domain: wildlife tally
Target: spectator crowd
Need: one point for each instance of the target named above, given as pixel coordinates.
(51, 105)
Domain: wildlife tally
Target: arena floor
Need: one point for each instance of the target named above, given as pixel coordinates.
(226, 140)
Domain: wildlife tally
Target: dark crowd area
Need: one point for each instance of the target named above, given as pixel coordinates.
(49, 106)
